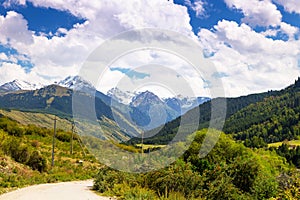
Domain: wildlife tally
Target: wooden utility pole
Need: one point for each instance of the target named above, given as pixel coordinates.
(73, 127)
(53, 141)
(142, 143)
(80, 143)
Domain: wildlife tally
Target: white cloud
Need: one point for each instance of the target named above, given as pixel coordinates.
(14, 30)
(3, 56)
(9, 3)
(270, 33)
(12, 71)
(251, 61)
(58, 57)
(288, 29)
(197, 6)
(257, 12)
(290, 5)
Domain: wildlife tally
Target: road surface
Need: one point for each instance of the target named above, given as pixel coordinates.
(79, 190)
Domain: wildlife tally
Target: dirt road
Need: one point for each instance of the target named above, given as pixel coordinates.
(79, 190)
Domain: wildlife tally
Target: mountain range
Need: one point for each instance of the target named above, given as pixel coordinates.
(17, 85)
(256, 119)
(130, 112)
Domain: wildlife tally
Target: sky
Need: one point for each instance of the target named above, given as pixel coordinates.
(253, 44)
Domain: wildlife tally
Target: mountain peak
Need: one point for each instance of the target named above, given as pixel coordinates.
(17, 85)
(124, 97)
(76, 83)
(145, 98)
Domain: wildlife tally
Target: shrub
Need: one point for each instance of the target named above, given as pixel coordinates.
(63, 136)
(14, 148)
(37, 162)
(35, 143)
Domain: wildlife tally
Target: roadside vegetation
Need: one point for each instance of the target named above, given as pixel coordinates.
(229, 171)
(25, 156)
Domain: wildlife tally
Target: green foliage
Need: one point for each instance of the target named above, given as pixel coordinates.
(34, 130)
(165, 134)
(179, 177)
(11, 127)
(37, 162)
(229, 171)
(24, 159)
(16, 149)
(292, 154)
(289, 185)
(275, 119)
(63, 136)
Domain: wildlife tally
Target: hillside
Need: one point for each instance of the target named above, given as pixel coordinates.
(203, 112)
(38, 119)
(57, 100)
(275, 119)
(272, 116)
(25, 156)
(229, 171)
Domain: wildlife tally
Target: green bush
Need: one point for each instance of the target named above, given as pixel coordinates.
(37, 162)
(138, 193)
(63, 136)
(14, 148)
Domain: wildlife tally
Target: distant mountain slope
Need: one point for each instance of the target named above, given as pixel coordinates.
(17, 85)
(38, 119)
(169, 130)
(76, 83)
(57, 100)
(124, 97)
(141, 109)
(150, 105)
(275, 119)
(149, 111)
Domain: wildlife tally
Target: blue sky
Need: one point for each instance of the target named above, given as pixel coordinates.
(254, 44)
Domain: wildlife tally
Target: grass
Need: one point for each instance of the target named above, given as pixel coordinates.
(108, 128)
(39, 119)
(149, 146)
(66, 167)
(291, 143)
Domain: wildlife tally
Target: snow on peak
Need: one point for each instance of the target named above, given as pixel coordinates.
(17, 85)
(121, 96)
(76, 82)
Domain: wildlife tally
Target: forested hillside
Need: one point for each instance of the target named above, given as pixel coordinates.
(263, 118)
(57, 100)
(275, 119)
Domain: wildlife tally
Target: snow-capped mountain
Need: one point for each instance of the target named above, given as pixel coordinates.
(148, 110)
(182, 104)
(17, 85)
(76, 83)
(120, 96)
(145, 98)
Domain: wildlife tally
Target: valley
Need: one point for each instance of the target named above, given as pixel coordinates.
(259, 139)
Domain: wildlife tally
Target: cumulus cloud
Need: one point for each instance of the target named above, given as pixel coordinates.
(290, 30)
(60, 56)
(197, 6)
(9, 3)
(257, 12)
(3, 56)
(14, 30)
(11, 71)
(292, 6)
(250, 61)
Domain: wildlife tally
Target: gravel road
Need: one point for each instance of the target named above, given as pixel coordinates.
(79, 190)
